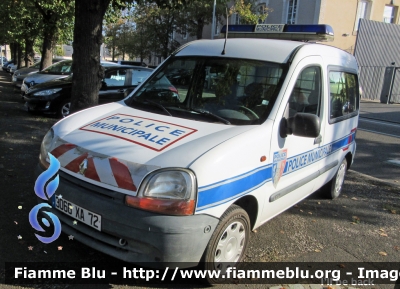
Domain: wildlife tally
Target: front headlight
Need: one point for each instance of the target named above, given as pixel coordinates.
(44, 148)
(47, 92)
(169, 191)
(169, 185)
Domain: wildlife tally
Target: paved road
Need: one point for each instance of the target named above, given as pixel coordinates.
(378, 141)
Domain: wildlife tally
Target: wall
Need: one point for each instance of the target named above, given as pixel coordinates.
(377, 47)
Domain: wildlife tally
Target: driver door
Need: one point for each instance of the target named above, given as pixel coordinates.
(295, 161)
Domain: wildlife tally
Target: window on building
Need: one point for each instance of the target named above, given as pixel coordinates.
(216, 31)
(291, 12)
(236, 19)
(389, 14)
(184, 33)
(261, 10)
(363, 9)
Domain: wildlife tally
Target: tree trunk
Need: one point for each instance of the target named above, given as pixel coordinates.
(88, 38)
(13, 48)
(200, 26)
(20, 56)
(29, 53)
(49, 34)
(47, 51)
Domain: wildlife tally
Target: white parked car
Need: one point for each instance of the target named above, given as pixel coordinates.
(185, 179)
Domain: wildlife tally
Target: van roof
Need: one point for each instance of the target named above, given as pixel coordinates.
(272, 50)
(262, 49)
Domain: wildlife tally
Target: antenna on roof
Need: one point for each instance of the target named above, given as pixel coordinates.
(226, 32)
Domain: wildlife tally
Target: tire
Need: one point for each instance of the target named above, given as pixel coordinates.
(334, 187)
(64, 109)
(228, 243)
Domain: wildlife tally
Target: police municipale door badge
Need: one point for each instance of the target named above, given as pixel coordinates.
(278, 166)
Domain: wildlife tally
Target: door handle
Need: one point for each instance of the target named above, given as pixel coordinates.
(318, 139)
(121, 90)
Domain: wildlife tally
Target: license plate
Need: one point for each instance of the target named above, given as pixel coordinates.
(78, 213)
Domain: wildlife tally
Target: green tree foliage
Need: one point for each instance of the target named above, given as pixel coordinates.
(90, 15)
(111, 38)
(155, 27)
(197, 14)
(29, 20)
(56, 18)
(20, 28)
(247, 12)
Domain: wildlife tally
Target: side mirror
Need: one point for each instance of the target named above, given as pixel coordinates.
(103, 85)
(302, 124)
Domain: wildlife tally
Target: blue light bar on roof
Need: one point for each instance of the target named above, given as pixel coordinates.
(299, 32)
(309, 28)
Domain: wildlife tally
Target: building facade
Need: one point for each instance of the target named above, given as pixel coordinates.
(342, 15)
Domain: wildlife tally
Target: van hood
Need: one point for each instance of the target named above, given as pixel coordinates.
(119, 145)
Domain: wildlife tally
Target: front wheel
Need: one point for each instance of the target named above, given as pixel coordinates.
(334, 187)
(64, 108)
(229, 241)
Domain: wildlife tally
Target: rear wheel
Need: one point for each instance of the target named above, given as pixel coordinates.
(334, 187)
(64, 108)
(229, 241)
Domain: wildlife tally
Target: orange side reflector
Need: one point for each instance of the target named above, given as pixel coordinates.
(263, 159)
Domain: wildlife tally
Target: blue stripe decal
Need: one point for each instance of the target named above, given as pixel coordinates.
(233, 188)
(226, 190)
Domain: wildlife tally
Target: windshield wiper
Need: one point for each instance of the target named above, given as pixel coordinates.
(206, 112)
(154, 104)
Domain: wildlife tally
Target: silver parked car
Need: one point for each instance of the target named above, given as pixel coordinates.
(58, 70)
(21, 73)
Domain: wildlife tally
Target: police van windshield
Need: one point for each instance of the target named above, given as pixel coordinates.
(223, 90)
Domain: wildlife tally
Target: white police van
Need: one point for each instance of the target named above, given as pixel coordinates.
(182, 172)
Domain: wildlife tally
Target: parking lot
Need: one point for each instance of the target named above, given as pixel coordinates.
(360, 226)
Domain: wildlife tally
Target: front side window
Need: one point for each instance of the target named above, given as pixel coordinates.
(344, 95)
(211, 89)
(115, 77)
(36, 65)
(306, 94)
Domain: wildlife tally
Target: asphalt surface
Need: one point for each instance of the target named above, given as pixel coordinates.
(378, 141)
(360, 226)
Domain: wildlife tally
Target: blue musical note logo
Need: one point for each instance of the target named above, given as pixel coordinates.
(46, 192)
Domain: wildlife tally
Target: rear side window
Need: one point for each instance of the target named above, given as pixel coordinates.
(343, 95)
(115, 77)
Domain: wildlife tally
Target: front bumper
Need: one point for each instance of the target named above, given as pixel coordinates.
(148, 238)
(46, 105)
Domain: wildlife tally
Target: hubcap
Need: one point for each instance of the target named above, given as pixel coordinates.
(230, 245)
(65, 109)
(340, 178)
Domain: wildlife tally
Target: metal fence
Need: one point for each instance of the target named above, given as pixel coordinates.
(375, 82)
